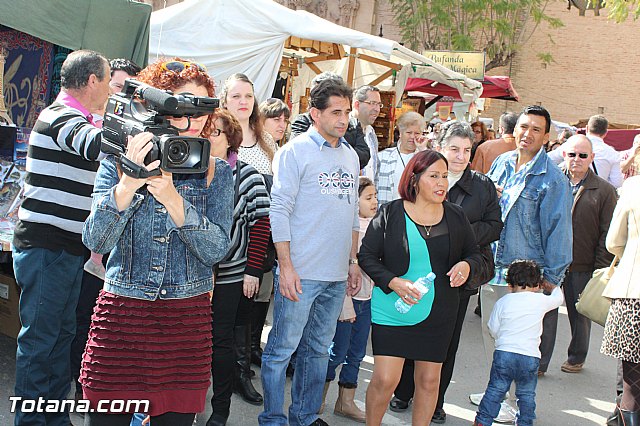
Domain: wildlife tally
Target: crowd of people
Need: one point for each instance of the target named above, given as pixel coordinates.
(157, 287)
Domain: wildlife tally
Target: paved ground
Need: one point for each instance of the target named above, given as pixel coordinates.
(563, 399)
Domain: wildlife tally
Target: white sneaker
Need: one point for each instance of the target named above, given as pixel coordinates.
(475, 398)
(507, 414)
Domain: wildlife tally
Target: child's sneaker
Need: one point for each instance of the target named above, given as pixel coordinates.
(507, 414)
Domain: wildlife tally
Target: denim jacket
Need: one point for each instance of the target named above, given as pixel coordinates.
(538, 226)
(150, 256)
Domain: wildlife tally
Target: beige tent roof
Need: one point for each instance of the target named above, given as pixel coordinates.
(229, 36)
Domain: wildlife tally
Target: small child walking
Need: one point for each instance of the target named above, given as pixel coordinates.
(516, 325)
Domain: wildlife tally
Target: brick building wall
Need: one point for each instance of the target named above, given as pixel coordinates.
(596, 69)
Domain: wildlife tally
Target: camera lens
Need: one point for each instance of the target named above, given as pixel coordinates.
(178, 151)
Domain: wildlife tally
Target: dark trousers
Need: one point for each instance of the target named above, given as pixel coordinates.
(89, 291)
(229, 308)
(50, 282)
(548, 338)
(406, 387)
(574, 284)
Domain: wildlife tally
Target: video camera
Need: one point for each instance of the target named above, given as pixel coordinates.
(127, 116)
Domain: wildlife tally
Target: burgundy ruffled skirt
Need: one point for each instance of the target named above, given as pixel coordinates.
(152, 350)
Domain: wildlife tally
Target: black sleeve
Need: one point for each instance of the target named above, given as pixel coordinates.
(300, 125)
(355, 138)
(488, 228)
(372, 251)
(470, 250)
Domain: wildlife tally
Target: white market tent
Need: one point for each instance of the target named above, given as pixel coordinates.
(248, 36)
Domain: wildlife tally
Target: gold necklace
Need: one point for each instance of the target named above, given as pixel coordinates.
(428, 231)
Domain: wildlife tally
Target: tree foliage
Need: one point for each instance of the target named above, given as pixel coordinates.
(494, 26)
(619, 10)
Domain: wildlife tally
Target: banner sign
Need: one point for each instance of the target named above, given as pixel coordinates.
(471, 64)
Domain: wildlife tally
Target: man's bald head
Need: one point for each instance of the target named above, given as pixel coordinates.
(580, 140)
(578, 156)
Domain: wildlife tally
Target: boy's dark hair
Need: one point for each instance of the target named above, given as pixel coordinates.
(524, 273)
(122, 64)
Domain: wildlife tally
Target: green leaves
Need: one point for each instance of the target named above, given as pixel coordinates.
(494, 26)
(619, 10)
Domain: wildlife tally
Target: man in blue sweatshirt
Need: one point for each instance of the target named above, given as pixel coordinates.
(314, 222)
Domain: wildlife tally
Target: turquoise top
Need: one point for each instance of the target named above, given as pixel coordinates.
(383, 310)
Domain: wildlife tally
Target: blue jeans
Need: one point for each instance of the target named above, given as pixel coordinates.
(350, 344)
(309, 326)
(50, 283)
(506, 368)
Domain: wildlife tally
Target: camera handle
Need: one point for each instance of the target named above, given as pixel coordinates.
(135, 170)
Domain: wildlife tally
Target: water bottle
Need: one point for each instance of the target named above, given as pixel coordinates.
(423, 285)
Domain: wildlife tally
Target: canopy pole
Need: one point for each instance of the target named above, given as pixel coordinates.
(378, 61)
(352, 65)
(314, 67)
(433, 101)
(382, 78)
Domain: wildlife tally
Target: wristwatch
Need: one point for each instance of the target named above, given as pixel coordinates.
(353, 261)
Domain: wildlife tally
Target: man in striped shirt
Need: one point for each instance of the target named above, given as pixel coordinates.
(48, 255)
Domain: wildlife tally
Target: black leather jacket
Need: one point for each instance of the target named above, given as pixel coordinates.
(477, 196)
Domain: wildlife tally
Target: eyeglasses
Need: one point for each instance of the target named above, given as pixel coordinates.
(179, 66)
(373, 103)
(216, 132)
(581, 155)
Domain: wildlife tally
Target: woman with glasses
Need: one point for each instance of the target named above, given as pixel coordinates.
(150, 335)
(393, 160)
(237, 276)
(257, 147)
(408, 239)
(275, 116)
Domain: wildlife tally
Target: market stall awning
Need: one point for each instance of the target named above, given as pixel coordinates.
(496, 87)
(229, 36)
(115, 28)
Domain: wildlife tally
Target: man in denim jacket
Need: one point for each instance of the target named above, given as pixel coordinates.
(535, 198)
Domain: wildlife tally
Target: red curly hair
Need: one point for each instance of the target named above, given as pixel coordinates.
(155, 75)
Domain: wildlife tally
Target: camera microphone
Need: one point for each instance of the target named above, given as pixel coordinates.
(162, 100)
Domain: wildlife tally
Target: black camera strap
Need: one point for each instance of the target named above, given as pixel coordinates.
(135, 170)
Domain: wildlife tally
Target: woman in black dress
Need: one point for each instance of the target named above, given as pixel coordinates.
(476, 194)
(407, 239)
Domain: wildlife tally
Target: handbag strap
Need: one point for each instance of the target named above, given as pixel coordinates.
(612, 267)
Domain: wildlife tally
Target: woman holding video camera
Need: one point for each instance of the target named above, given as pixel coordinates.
(150, 336)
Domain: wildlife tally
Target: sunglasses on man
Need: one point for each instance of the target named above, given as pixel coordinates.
(582, 155)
